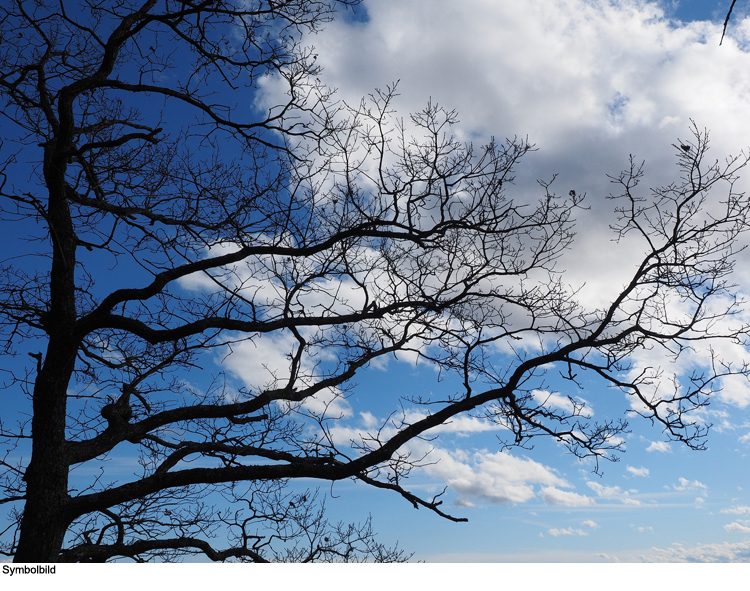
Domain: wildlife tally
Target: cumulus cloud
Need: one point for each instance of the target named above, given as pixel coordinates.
(265, 362)
(589, 83)
(722, 552)
(262, 361)
(567, 532)
(637, 471)
(611, 75)
(614, 493)
(555, 496)
(661, 446)
(737, 527)
(685, 484)
(497, 478)
(737, 510)
(590, 523)
(604, 491)
(735, 390)
(476, 476)
(462, 425)
(576, 407)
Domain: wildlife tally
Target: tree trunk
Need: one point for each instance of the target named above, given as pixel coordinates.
(46, 516)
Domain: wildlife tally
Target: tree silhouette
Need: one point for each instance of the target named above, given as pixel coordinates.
(726, 21)
(161, 217)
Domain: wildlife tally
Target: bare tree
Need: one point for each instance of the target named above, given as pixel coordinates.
(168, 219)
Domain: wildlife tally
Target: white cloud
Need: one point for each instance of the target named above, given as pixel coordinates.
(262, 361)
(478, 476)
(567, 532)
(605, 491)
(735, 390)
(590, 523)
(737, 527)
(737, 510)
(265, 361)
(368, 420)
(555, 496)
(637, 471)
(588, 82)
(685, 484)
(497, 478)
(613, 492)
(577, 407)
(661, 446)
(721, 552)
(602, 64)
(462, 425)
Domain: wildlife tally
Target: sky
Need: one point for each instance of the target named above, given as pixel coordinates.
(590, 83)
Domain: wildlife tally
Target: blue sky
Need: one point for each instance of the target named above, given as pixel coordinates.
(589, 83)
(697, 10)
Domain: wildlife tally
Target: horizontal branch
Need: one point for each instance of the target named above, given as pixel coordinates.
(103, 552)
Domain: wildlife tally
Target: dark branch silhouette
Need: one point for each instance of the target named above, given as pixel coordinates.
(726, 21)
